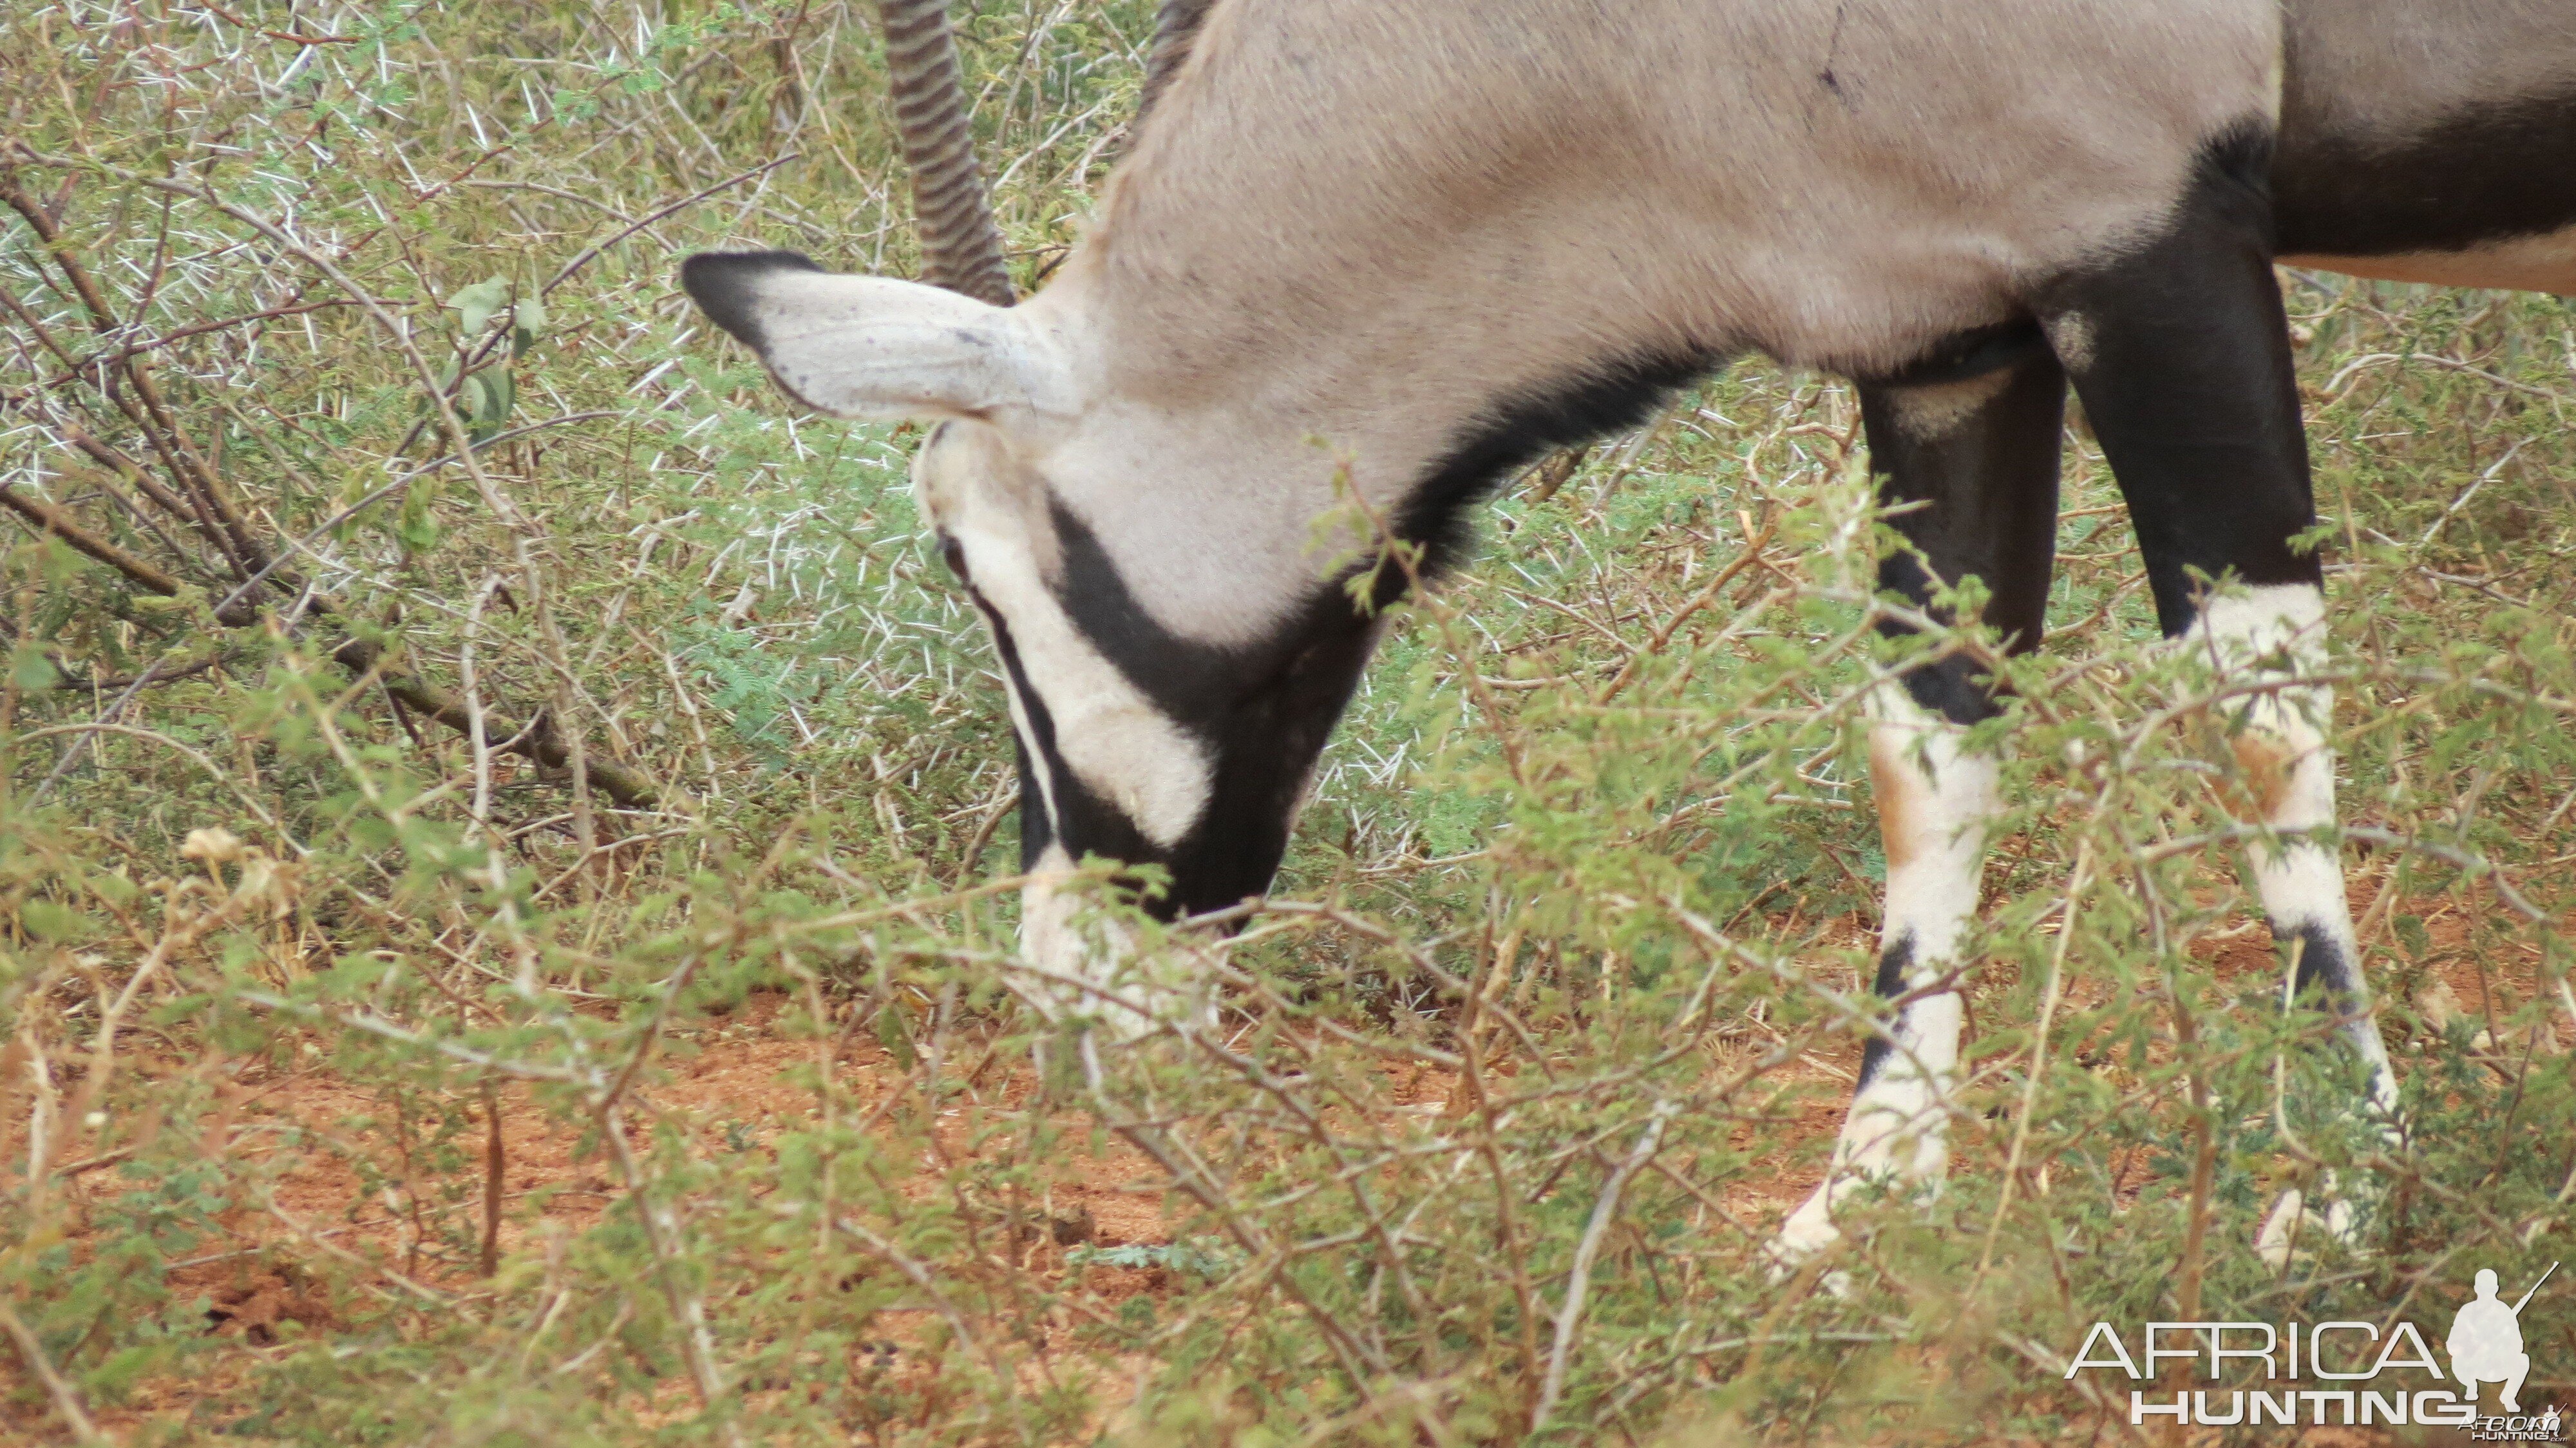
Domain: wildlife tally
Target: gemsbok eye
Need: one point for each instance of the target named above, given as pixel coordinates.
(952, 553)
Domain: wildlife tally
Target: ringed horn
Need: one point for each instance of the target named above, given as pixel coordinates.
(961, 247)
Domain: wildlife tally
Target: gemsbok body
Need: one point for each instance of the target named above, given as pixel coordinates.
(1413, 246)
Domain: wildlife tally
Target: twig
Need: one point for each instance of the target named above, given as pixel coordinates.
(455, 1051)
(628, 788)
(920, 1276)
(156, 674)
(1579, 1283)
(662, 1235)
(388, 490)
(66, 1398)
(582, 260)
(54, 520)
(983, 836)
(495, 1166)
(2038, 1057)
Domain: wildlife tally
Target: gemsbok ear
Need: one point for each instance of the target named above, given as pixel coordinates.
(875, 348)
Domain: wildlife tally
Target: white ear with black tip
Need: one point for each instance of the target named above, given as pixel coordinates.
(872, 347)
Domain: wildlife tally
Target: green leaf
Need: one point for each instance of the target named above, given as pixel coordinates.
(470, 398)
(892, 1035)
(527, 324)
(500, 393)
(46, 920)
(417, 526)
(30, 669)
(475, 305)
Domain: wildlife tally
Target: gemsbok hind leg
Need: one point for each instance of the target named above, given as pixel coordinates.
(1969, 437)
(2180, 354)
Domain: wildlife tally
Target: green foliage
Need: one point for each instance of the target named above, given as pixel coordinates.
(1588, 876)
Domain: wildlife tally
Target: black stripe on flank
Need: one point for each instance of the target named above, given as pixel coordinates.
(1894, 965)
(725, 285)
(2484, 174)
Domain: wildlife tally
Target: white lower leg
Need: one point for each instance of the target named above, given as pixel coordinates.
(2280, 743)
(1934, 804)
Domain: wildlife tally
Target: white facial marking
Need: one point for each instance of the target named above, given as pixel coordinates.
(1133, 995)
(1108, 733)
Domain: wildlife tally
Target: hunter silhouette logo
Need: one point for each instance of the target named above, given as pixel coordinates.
(2365, 1373)
(2486, 1341)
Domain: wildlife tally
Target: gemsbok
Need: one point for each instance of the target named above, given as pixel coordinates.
(1444, 236)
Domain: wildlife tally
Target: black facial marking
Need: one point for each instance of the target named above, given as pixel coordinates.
(2482, 174)
(1515, 431)
(2186, 376)
(1990, 477)
(1262, 712)
(1894, 965)
(1037, 831)
(724, 285)
(1086, 823)
(1186, 679)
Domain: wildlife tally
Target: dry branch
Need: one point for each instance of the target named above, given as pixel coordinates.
(200, 501)
(66, 1398)
(538, 740)
(55, 521)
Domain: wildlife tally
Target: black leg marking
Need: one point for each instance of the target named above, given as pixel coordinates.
(1973, 432)
(2323, 966)
(2181, 355)
(1894, 964)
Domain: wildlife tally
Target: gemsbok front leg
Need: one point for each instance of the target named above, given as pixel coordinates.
(2180, 354)
(1969, 437)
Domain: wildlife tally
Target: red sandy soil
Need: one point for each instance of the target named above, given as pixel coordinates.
(733, 1071)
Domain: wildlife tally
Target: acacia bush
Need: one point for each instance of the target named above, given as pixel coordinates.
(449, 689)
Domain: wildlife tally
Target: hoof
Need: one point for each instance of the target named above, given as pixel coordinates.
(2292, 1218)
(1808, 1232)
